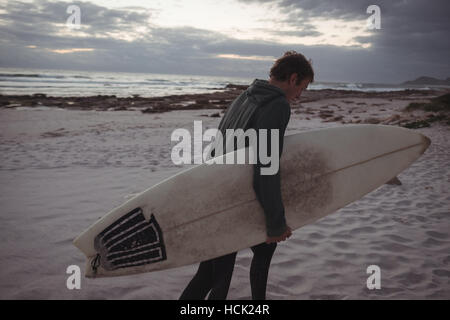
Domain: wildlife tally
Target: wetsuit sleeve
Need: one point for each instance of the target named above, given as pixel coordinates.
(268, 187)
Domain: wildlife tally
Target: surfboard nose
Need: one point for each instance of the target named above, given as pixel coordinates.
(425, 141)
(415, 138)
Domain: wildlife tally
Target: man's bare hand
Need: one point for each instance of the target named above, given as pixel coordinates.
(283, 237)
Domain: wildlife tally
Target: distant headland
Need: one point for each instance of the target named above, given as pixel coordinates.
(428, 80)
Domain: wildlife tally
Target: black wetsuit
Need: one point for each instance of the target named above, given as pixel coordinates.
(261, 106)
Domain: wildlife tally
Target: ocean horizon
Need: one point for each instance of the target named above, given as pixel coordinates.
(28, 81)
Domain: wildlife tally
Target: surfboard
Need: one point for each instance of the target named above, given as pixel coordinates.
(210, 210)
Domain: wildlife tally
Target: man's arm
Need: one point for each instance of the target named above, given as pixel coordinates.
(268, 187)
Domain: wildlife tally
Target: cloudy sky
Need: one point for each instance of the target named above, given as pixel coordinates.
(230, 37)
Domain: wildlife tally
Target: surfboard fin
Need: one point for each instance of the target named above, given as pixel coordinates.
(394, 181)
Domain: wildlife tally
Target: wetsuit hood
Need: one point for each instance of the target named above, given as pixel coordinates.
(261, 91)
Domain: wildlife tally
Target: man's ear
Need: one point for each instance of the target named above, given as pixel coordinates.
(293, 79)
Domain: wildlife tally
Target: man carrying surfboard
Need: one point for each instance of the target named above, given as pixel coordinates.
(264, 105)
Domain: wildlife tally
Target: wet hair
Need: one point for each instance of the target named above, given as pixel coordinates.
(292, 62)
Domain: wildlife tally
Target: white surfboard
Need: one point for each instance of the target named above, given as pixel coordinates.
(211, 210)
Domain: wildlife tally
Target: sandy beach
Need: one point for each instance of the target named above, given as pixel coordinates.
(64, 163)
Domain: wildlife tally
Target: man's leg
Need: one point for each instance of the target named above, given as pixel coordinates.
(259, 270)
(200, 284)
(212, 275)
(221, 276)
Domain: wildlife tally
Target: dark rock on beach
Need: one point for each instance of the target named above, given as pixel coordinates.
(220, 100)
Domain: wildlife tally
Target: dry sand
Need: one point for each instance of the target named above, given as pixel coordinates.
(61, 170)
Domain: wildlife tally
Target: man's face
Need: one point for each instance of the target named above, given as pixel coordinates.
(295, 91)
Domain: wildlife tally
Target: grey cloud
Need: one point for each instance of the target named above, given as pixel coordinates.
(38, 19)
(301, 10)
(412, 42)
(413, 39)
(305, 30)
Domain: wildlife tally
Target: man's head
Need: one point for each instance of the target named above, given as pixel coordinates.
(292, 73)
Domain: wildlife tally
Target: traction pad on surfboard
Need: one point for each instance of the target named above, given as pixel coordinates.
(129, 242)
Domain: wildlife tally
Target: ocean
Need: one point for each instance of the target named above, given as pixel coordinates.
(18, 81)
